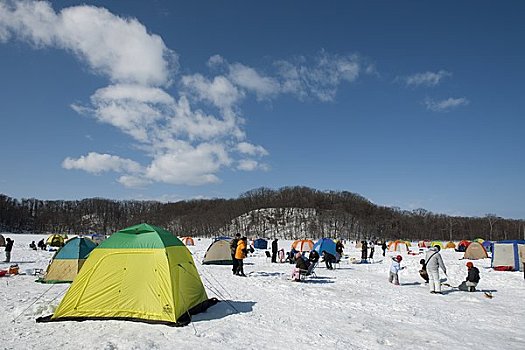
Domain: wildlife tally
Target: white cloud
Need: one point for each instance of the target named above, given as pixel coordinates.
(445, 105)
(220, 91)
(198, 125)
(97, 163)
(189, 165)
(248, 148)
(133, 181)
(426, 78)
(249, 79)
(120, 48)
(320, 78)
(251, 165)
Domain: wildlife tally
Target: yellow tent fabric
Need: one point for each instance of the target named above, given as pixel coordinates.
(139, 273)
(437, 243)
(55, 240)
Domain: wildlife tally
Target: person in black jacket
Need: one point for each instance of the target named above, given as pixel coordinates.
(275, 249)
(364, 252)
(233, 248)
(383, 246)
(472, 280)
(329, 259)
(423, 272)
(8, 247)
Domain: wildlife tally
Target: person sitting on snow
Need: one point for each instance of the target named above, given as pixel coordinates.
(423, 272)
(32, 245)
(393, 276)
(472, 280)
(42, 244)
(313, 257)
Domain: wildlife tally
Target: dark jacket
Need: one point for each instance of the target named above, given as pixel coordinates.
(9, 245)
(233, 246)
(301, 264)
(473, 275)
(314, 256)
(274, 246)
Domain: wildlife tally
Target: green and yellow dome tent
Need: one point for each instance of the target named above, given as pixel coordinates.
(141, 273)
(68, 261)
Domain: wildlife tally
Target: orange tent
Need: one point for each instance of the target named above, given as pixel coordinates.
(187, 241)
(450, 245)
(398, 246)
(303, 245)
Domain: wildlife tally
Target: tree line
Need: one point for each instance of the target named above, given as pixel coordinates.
(338, 214)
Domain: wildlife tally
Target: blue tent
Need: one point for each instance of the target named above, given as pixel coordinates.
(325, 244)
(487, 245)
(506, 254)
(260, 243)
(222, 238)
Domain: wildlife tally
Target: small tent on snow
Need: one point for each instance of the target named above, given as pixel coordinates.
(303, 245)
(462, 246)
(260, 243)
(218, 253)
(423, 244)
(398, 246)
(68, 260)
(450, 245)
(325, 244)
(55, 240)
(475, 251)
(487, 245)
(2, 241)
(141, 273)
(505, 255)
(437, 244)
(187, 241)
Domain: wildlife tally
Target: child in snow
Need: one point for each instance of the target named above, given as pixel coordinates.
(423, 272)
(394, 269)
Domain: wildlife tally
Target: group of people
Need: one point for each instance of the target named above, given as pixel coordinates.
(429, 271)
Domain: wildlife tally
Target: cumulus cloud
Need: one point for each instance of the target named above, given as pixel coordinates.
(188, 137)
(120, 48)
(251, 165)
(426, 78)
(97, 163)
(249, 149)
(445, 105)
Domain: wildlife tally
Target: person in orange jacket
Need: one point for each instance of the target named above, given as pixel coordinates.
(240, 255)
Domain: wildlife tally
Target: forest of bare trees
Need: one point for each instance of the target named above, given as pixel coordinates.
(337, 214)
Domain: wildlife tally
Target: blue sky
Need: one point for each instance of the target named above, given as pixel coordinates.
(410, 104)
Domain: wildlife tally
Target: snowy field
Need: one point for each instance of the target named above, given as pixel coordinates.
(352, 307)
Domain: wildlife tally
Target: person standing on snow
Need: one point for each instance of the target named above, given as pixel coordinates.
(233, 250)
(372, 249)
(383, 246)
(364, 252)
(240, 255)
(8, 247)
(433, 262)
(275, 248)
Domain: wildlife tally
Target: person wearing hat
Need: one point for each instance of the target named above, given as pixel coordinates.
(393, 276)
(472, 280)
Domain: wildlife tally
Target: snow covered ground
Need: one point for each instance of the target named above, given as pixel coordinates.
(352, 307)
